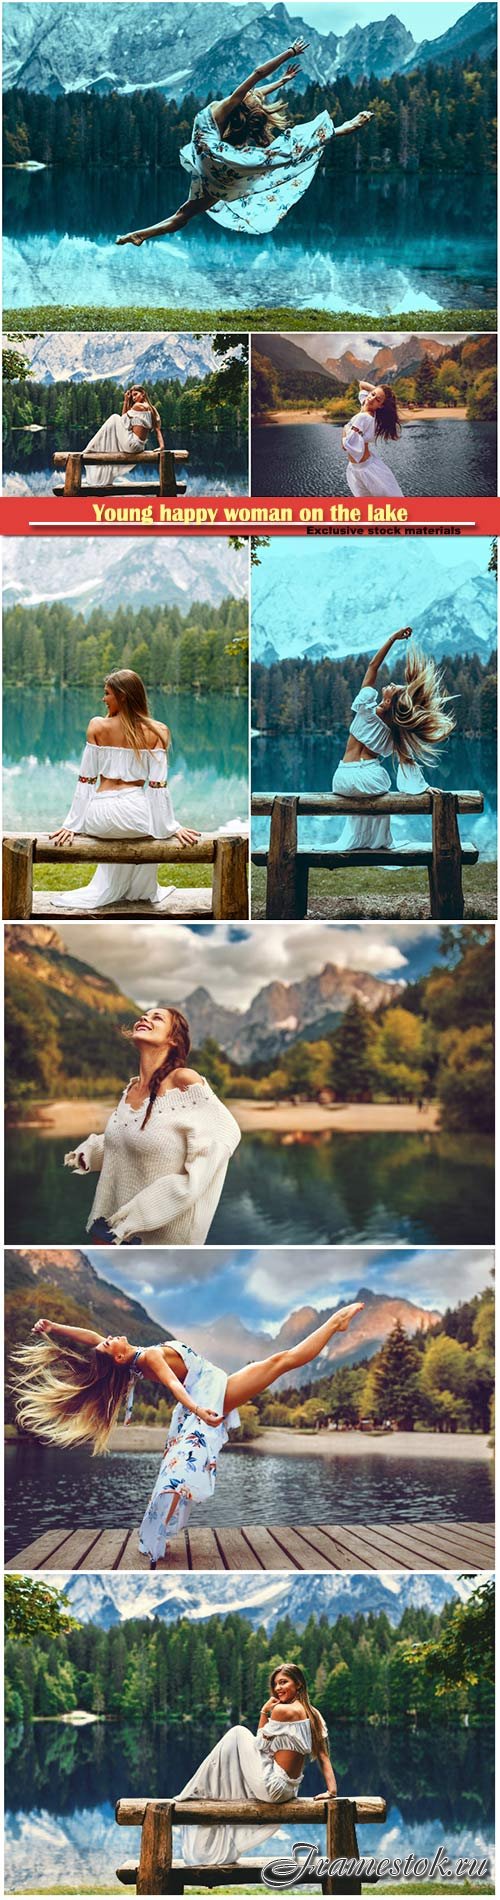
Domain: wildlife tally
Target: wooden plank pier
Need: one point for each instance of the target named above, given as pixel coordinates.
(440, 1546)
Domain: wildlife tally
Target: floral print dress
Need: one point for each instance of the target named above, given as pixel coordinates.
(253, 186)
(189, 1467)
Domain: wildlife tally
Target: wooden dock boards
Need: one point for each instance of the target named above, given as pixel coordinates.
(439, 1546)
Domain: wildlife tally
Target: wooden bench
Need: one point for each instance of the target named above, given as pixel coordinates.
(228, 896)
(73, 462)
(157, 1872)
(288, 866)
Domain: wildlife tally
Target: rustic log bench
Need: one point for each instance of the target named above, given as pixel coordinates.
(73, 462)
(228, 896)
(157, 1872)
(288, 866)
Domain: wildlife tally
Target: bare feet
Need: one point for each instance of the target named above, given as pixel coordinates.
(346, 1314)
(131, 237)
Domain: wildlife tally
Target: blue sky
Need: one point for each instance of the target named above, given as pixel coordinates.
(259, 1287)
(426, 19)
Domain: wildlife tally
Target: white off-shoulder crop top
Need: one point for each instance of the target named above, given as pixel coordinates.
(275, 1736)
(136, 414)
(123, 763)
(371, 731)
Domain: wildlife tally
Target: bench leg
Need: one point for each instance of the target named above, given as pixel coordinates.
(73, 476)
(287, 877)
(17, 856)
(341, 1844)
(445, 872)
(167, 480)
(230, 878)
(155, 1865)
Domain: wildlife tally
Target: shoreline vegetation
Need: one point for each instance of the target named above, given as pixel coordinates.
(83, 1116)
(322, 414)
(257, 317)
(280, 1441)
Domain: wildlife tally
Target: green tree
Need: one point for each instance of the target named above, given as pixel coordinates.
(34, 1609)
(391, 1390)
(353, 1055)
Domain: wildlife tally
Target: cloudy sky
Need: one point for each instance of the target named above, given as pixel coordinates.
(362, 343)
(426, 19)
(258, 1288)
(165, 962)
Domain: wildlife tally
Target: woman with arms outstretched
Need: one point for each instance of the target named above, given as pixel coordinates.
(405, 724)
(268, 1766)
(246, 169)
(125, 434)
(377, 421)
(122, 793)
(71, 1383)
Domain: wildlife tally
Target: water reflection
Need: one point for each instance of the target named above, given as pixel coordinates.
(306, 761)
(218, 462)
(452, 457)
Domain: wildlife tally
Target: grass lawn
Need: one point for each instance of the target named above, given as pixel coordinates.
(72, 877)
(374, 893)
(76, 317)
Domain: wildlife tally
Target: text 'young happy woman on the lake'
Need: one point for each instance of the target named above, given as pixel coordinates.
(71, 1383)
(247, 169)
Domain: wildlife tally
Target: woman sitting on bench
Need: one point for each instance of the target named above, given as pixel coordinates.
(268, 1766)
(125, 434)
(405, 723)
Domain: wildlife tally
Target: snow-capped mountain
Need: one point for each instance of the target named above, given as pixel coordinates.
(262, 1599)
(107, 574)
(349, 605)
(84, 357)
(56, 48)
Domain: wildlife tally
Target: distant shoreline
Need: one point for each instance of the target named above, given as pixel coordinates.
(280, 1441)
(80, 1118)
(278, 417)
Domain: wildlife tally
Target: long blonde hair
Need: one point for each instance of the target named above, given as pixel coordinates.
(416, 717)
(319, 1738)
(66, 1393)
(254, 122)
(139, 728)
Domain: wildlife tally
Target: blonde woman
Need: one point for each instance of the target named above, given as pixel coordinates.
(71, 1384)
(125, 434)
(246, 168)
(403, 725)
(268, 1766)
(122, 792)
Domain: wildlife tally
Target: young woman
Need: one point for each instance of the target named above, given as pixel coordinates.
(122, 792)
(246, 170)
(71, 1383)
(377, 421)
(268, 1766)
(405, 725)
(125, 434)
(165, 1151)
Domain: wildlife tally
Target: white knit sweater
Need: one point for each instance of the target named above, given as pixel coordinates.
(163, 1181)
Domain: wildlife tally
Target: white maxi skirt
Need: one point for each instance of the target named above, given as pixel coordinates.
(236, 1770)
(188, 1468)
(121, 814)
(368, 777)
(115, 437)
(372, 477)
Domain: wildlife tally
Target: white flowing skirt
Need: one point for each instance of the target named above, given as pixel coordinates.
(235, 1770)
(115, 437)
(372, 477)
(252, 189)
(370, 778)
(121, 814)
(189, 1467)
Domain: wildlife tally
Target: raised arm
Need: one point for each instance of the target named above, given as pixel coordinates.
(222, 108)
(78, 1335)
(404, 633)
(154, 1363)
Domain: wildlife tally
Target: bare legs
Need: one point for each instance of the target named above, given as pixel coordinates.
(192, 208)
(245, 1385)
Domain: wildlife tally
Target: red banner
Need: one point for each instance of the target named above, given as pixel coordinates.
(206, 514)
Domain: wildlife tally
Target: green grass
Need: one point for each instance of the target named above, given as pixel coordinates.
(76, 317)
(71, 877)
(386, 887)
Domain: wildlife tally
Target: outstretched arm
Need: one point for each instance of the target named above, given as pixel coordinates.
(222, 109)
(353, 125)
(404, 633)
(78, 1334)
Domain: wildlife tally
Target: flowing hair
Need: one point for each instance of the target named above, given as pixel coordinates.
(254, 122)
(139, 728)
(66, 1393)
(319, 1737)
(416, 717)
(176, 1057)
(386, 419)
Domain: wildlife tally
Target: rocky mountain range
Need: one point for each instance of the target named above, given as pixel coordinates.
(263, 1599)
(281, 1013)
(402, 356)
(231, 1344)
(450, 604)
(108, 1307)
(52, 47)
(91, 573)
(85, 356)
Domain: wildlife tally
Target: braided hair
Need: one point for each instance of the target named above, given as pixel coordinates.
(176, 1057)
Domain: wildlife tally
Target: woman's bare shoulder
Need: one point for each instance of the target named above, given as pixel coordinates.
(96, 729)
(186, 1078)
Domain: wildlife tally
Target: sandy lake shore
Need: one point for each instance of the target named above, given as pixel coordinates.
(77, 1119)
(279, 417)
(279, 1442)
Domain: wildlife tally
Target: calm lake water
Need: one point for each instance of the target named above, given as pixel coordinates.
(47, 1488)
(62, 1785)
(323, 1190)
(378, 245)
(306, 762)
(44, 734)
(218, 462)
(431, 458)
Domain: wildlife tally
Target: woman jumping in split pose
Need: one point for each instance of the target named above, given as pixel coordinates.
(126, 434)
(71, 1383)
(122, 793)
(246, 169)
(268, 1766)
(164, 1154)
(377, 421)
(405, 724)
